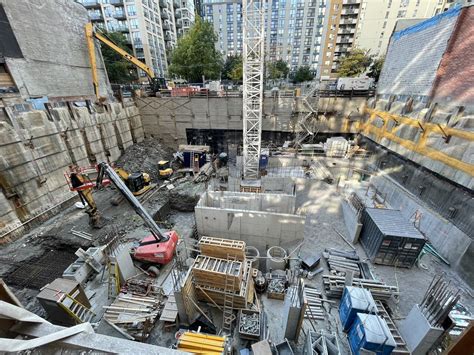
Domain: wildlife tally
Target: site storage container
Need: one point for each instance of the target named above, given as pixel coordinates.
(390, 239)
(355, 300)
(370, 332)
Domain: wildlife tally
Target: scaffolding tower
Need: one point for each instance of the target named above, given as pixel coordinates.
(253, 56)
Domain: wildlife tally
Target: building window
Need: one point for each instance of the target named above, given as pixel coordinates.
(401, 13)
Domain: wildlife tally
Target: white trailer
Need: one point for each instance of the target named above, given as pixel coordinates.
(355, 84)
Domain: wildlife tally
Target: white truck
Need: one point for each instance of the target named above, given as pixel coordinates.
(354, 84)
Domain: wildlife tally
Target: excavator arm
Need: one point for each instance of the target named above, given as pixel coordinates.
(105, 169)
(90, 36)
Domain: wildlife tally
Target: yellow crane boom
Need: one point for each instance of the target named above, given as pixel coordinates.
(91, 35)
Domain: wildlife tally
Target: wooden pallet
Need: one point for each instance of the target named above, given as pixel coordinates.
(401, 348)
(222, 248)
(212, 272)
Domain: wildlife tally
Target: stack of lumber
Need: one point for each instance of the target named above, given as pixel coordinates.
(133, 315)
(314, 307)
(242, 297)
(200, 343)
(334, 286)
(222, 248)
(213, 272)
(342, 262)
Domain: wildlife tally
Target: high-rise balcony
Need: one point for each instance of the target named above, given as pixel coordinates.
(346, 11)
(120, 15)
(91, 4)
(165, 14)
(167, 36)
(116, 2)
(163, 3)
(166, 25)
(351, 2)
(179, 23)
(345, 39)
(348, 21)
(96, 17)
(345, 31)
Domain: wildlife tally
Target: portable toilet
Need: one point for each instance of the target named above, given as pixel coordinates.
(370, 332)
(355, 300)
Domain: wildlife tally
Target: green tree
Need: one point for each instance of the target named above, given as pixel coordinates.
(119, 70)
(302, 74)
(237, 72)
(195, 54)
(229, 65)
(277, 70)
(355, 63)
(376, 68)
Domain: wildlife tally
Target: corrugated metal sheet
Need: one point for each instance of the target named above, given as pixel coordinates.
(392, 223)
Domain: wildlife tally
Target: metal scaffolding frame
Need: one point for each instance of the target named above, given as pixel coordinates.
(253, 58)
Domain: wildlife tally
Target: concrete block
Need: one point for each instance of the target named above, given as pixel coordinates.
(418, 332)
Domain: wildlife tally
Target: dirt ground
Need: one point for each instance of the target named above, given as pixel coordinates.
(319, 201)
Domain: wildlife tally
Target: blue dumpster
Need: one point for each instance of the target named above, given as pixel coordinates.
(370, 332)
(355, 300)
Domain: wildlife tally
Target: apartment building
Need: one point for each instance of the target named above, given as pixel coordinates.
(343, 19)
(379, 17)
(294, 29)
(151, 27)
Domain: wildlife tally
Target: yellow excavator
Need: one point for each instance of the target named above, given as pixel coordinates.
(137, 183)
(164, 168)
(156, 84)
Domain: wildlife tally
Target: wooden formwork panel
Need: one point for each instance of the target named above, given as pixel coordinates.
(222, 248)
(212, 272)
(241, 298)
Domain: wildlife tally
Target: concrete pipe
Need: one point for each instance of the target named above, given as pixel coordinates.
(276, 258)
(252, 254)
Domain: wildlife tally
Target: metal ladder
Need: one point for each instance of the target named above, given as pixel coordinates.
(75, 309)
(307, 119)
(228, 313)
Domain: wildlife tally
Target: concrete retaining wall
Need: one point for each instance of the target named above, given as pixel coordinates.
(168, 118)
(37, 148)
(256, 227)
(451, 242)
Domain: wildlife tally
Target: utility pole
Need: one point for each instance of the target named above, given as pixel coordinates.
(253, 57)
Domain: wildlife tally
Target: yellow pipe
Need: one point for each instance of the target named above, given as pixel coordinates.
(92, 59)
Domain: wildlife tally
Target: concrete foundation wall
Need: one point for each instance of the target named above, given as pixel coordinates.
(37, 148)
(257, 228)
(52, 40)
(449, 241)
(277, 203)
(168, 118)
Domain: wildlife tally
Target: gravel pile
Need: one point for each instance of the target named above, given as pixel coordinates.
(144, 157)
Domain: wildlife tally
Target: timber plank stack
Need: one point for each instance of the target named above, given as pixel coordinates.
(212, 272)
(222, 248)
(134, 314)
(334, 286)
